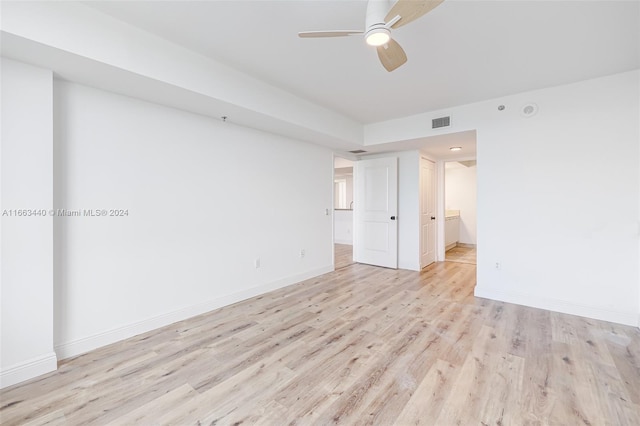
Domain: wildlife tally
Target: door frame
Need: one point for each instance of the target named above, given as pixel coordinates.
(332, 212)
(442, 202)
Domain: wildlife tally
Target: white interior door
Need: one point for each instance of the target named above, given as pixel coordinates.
(375, 208)
(427, 212)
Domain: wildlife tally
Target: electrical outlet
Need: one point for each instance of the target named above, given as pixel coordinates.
(302, 253)
(257, 262)
(498, 266)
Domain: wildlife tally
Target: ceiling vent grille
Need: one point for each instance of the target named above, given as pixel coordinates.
(440, 122)
(358, 151)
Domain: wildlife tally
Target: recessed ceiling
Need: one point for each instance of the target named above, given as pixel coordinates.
(461, 52)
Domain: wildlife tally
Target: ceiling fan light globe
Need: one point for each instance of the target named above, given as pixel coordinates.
(378, 37)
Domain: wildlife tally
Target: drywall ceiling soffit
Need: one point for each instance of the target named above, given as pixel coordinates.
(506, 53)
(74, 68)
(86, 46)
(462, 52)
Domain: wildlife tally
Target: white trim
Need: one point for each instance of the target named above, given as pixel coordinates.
(450, 246)
(440, 212)
(563, 306)
(28, 369)
(80, 346)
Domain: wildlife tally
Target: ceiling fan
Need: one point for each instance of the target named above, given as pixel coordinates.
(380, 19)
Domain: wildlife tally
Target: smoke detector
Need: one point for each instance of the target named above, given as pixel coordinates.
(529, 110)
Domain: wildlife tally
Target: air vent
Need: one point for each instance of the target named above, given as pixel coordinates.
(440, 122)
(358, 151)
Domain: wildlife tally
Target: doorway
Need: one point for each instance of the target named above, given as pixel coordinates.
(460, 195)
(342, 212)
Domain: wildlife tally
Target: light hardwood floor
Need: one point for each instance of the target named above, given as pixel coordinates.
(461, 254)
(361, 345)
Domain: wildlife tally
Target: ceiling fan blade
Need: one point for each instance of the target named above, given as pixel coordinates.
(410, 10)
(391, 55)
(339, 33)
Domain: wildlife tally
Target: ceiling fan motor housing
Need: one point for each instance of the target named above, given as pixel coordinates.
(381, 17)
(377, 33)
(376, 11)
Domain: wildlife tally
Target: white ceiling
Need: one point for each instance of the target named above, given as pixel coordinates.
(439, 147)
(461, 52)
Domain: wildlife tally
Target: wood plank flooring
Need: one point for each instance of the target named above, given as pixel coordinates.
(361, 345)
(461, 254)
(343, 255)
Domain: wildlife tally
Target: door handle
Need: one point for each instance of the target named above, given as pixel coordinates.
(433, 218)
(393, 218)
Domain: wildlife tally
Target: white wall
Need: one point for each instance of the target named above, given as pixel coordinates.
(343, 226)
(349, 179)
(26, 281)
(461, 194)
(564, 223)
(205, 199)
(563, 220)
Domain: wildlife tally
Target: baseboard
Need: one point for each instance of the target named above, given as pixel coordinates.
(457, 244)
(563, 306)
(29, 369)
(466, 245)
(80, 346)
